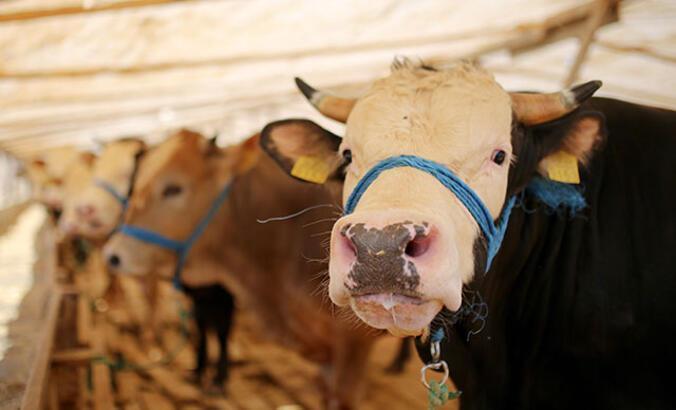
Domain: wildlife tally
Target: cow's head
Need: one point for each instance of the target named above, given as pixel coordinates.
(175, 185)
(47, 173)
(75, 180)
(410, 244)
(96, 209)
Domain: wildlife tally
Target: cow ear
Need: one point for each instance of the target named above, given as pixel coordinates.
(211, 146)
(247, 155)
(567, 143)
(303, 149)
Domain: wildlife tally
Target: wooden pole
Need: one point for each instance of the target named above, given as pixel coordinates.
(67, 9)
(37, 380)
(596, 18)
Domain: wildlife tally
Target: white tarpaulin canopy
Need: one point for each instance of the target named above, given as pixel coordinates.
(121, 68)
(73, 72)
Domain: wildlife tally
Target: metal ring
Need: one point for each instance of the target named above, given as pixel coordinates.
(434, 366)
(435, 350)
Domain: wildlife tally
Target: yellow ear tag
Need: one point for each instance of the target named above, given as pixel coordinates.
(311, 169)
(562, 167)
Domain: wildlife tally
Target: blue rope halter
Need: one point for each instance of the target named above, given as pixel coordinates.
(108, 187)
(494, 233)
(180, 247)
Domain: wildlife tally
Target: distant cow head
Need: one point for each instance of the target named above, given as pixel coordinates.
(75, 180)
(96, 211)
(47, 173)
(175, 185)
(410, 244)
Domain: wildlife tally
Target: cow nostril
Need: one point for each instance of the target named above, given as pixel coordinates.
(349, 245)
(418, 246)
(114, 261)
(346, 243)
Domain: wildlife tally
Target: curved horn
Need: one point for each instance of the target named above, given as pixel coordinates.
(532, 109)
(333, 107)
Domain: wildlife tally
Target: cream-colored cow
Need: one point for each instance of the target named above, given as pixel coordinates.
(48, 172)
(95, 210)
(410, 244)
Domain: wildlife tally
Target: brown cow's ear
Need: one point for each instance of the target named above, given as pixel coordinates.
(211, 146)
(576, 145)
(303, 149)
(247, 155)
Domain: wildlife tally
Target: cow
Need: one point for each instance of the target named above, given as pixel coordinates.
(76, 180)
(47, 172)
(274, 268)
(98, 206)
(574, 308)
(56, 174)
(94, 211)
(90, 214)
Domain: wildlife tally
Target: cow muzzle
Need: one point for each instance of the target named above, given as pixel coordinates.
(126, 256)
(393, 269)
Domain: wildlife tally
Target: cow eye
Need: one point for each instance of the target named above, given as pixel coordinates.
(347, 156)
(499, 156)
(171, 190)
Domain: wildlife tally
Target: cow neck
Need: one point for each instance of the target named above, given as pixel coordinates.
(273, 262)
(266, 191)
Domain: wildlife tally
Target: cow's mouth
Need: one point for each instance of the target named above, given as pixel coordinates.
(401, 315)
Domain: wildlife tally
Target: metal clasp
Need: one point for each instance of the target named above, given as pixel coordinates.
(436, 364)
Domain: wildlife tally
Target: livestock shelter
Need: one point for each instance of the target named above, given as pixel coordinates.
(85, 72)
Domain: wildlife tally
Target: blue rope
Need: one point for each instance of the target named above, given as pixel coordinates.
(494, 233)
(108, 187)
(438, 335)
(155, 238)
(557, 195)
(180, 247)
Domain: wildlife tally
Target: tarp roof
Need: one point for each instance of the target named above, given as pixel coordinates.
(116, 68)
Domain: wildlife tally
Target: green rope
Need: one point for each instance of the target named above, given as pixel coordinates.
(438, 395)
(437, 392)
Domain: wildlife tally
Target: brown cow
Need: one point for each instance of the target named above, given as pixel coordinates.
(272, 265)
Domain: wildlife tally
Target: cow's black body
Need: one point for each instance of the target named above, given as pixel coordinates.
(582, 310)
